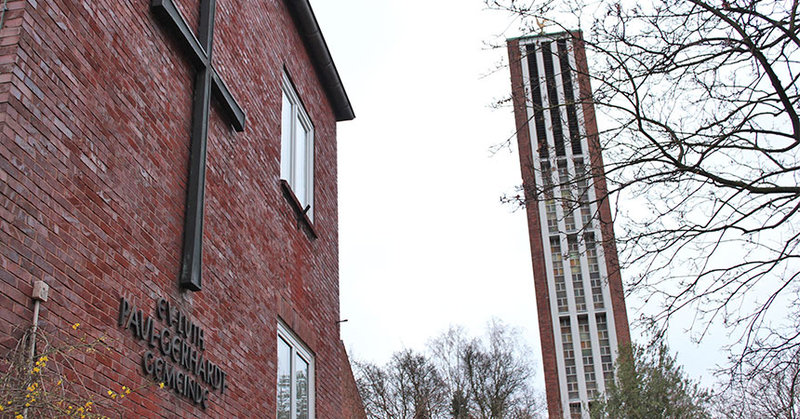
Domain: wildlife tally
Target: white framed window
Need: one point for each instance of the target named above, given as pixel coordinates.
(297, 148)
(295, 383)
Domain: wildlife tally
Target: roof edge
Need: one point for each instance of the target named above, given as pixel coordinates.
(321, 58)
(552, 35)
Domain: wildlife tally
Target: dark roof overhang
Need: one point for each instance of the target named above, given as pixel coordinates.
(309, 30)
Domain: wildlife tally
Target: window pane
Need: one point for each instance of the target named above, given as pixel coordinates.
(297, 148)
(299, 179)
(301, 383)
(286, 139)
(284, 381)
(575, 410)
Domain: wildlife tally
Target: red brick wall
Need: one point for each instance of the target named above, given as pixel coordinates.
(352, 405)
(18, 218)
(95, 112)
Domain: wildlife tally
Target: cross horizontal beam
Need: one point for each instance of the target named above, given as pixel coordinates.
(168, 12)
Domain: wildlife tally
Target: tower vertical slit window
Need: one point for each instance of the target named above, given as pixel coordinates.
(558, 274)
(594, 271)
(582, 182)
(575, 411)
(536, 97)
(567, 201)
(569, 97)
(605, 348)
(587, 355)
(549, 198)
(569, 358)
(575, 273)
(552, 98)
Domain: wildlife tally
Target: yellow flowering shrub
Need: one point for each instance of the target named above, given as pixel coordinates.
(39, 387)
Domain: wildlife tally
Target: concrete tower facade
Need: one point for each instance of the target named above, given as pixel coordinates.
(579, 296)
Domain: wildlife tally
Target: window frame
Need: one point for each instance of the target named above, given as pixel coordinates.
(289, 160)
(296, 349)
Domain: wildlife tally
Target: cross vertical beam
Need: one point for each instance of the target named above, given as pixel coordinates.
(192, 260)
(207, 82)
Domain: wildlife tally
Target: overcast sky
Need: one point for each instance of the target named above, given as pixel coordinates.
(424, 241)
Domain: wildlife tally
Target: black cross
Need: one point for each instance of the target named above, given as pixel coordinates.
(206, 83)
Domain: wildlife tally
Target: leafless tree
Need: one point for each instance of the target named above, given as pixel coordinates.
(408, 387)
(699, 126)
(447, 354)
(765, 388)
(460, 378)
(497, 375)
(487, 377)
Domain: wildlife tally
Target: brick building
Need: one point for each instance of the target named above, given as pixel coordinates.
(579, 296)
(182, 207)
